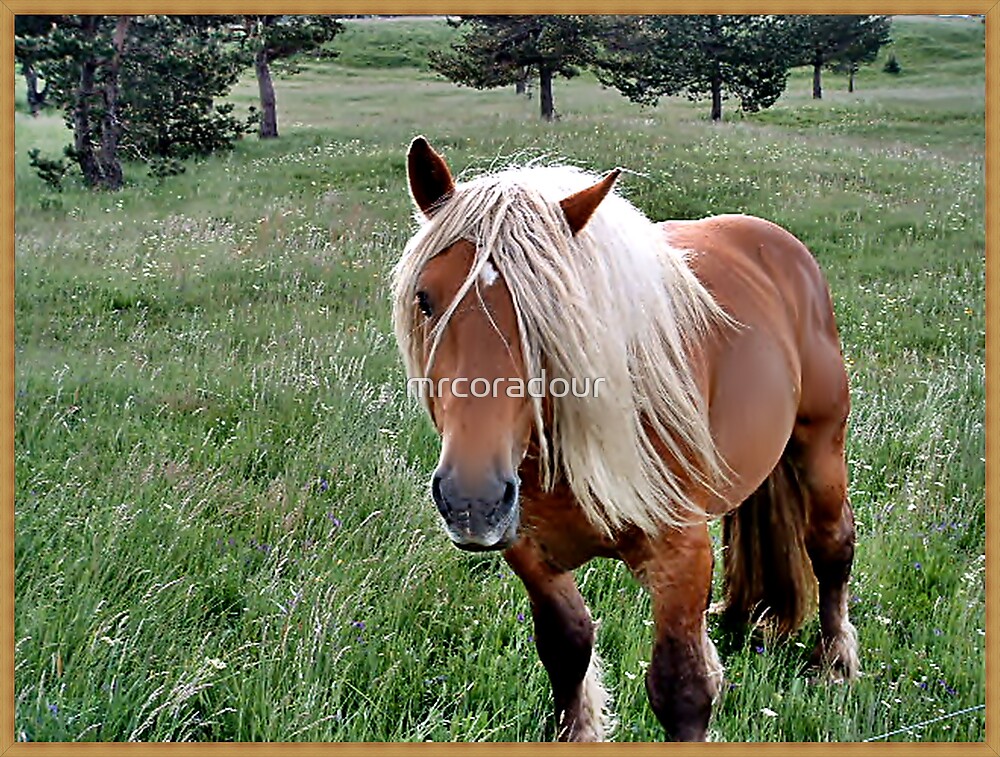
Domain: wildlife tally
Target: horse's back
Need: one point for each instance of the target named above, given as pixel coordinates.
(750, 263)
(781, 368)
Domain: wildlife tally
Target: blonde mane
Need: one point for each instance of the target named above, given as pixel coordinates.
(615, 301)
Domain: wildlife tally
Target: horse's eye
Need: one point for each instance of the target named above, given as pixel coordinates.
(424, 303)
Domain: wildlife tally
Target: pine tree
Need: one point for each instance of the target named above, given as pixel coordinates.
(178, 68)
(841, 41)
(496, 51)
(285, 39)
(647, 57)
(83, 60)
(141, 88)
(28, 31)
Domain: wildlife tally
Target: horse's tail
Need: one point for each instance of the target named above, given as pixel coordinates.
(768, 574)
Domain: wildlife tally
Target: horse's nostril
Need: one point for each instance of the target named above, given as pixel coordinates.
(436, 493)
(510, 493)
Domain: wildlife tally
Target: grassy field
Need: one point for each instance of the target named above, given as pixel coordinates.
(223, 530)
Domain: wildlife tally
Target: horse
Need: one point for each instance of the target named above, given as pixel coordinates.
(719, 391)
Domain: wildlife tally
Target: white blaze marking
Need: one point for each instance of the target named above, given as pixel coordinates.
(489, 274)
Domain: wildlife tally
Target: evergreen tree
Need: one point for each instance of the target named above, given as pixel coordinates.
(141, 87)
(497, 51)
(647, 57)
(82, 56)
(28, 30)
(839, 41)
(178, 68)
(286, 39)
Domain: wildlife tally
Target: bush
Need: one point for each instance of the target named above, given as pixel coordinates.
(51, 171)
(892, 65)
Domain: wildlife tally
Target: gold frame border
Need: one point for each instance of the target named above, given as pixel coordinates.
(991, 8)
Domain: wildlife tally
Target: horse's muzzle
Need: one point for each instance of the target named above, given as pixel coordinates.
(477, 518)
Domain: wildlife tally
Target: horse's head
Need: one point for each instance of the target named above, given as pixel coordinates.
(467, 347)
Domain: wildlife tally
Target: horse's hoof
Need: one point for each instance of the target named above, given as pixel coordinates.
(837, 658)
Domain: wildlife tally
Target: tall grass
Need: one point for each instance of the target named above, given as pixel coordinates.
(222, 522)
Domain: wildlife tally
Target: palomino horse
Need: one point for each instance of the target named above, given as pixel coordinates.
(722, 392)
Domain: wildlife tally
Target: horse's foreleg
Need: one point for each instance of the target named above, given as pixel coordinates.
(564, 637)
(830, 543)
(684, 675)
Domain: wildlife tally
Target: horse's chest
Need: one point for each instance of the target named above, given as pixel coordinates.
(561, 531)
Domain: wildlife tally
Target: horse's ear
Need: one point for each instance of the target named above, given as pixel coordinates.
(430, 179)
(580, 207)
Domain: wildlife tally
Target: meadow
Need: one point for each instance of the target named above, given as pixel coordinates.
(223, 527)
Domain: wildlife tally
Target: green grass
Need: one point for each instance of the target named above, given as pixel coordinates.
(392, 43)
(223, 526)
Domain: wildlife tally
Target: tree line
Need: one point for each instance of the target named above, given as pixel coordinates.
(746, 57)
(147, 88)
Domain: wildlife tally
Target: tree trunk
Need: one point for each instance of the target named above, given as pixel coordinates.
(36, 99)
(850, 80)
(817, 79)
(111, 127)
(268, 109)
(716, 97)
(82, 147)
(545, 89)
(521, 85)
(715, 45)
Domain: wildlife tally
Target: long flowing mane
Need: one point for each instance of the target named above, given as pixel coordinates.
(614, 301)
